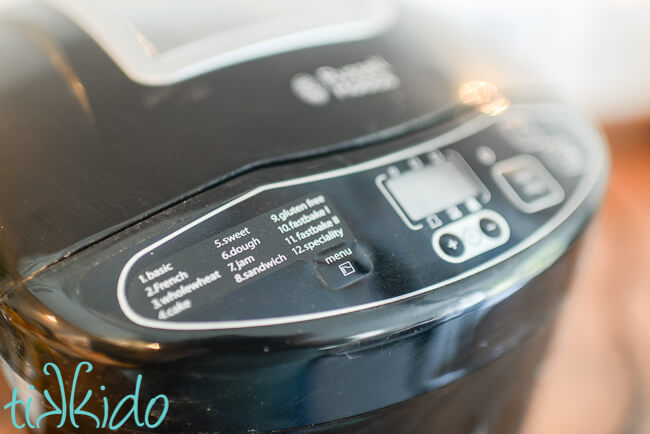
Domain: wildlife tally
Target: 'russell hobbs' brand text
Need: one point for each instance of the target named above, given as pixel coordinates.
(355, 80)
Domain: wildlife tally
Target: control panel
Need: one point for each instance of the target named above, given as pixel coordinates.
(440, 187)
(471, 236)
(364, 235)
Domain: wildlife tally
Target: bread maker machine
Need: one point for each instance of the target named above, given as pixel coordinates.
(283, 216)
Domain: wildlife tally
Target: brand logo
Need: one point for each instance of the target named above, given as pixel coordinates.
(68, 404)
(371, 76)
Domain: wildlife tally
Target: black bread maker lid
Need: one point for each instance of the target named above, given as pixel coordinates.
(89, 151)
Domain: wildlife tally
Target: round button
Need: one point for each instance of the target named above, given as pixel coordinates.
(472, 236)
(451, 245)
(485, 155)
(490, 227)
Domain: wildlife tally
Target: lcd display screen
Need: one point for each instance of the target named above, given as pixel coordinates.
(426, 191)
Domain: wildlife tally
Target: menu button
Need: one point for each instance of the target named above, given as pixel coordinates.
(342, 265)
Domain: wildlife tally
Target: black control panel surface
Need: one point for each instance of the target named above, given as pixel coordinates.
(308, 229)
(363, 235)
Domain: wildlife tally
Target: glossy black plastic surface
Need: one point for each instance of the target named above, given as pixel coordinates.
(91, 151)
(239, 384)
(350, 209)
(402, 346)
(294, 374)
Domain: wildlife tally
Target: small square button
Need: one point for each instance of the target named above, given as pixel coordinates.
(347, 268)
(342, 265)
(527, 183)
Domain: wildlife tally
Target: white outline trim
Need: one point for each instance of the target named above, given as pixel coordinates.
(465, 130)
(485, 194)
(379, 181)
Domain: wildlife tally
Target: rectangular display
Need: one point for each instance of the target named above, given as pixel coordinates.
(426, 191)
